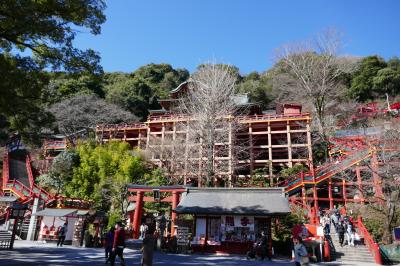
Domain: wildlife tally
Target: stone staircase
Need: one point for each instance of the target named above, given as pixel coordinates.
(5, 239)
(359, 253)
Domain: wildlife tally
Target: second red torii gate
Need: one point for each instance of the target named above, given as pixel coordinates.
(139, 199)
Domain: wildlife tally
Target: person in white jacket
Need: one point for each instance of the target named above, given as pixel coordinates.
(350, 234)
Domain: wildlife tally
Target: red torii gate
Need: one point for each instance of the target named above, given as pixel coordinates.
(139, 198)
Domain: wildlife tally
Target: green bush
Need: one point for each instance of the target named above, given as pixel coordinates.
(113, 218)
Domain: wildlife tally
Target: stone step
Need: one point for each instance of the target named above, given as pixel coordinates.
(359, 253)
(360, 259)
(338, 256)
(357, 261)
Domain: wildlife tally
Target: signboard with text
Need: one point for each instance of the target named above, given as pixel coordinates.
(182, 236)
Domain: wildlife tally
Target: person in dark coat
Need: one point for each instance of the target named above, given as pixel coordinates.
(109, 239)
(118, 244)
(148, 249)
(62, 231)
(340, 231)
(264, 246)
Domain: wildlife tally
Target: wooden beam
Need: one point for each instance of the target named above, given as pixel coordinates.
(149, 199)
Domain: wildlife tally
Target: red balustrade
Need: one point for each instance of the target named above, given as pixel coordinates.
(20, 189)
(6, 171)
(29, 170)
(272, 116)
(55, 144)
(369, 241)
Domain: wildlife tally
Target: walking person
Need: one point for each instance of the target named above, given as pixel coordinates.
(142, 230)
(62, 231)
(300, 252)
(350, 233)
(264, 246)
(340, 232)
(118, 244)
(335, 220)
(109, 244)
(147, 249)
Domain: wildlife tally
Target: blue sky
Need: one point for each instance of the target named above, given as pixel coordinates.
(185, 33)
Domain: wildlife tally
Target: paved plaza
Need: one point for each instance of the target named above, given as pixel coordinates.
(33, 253)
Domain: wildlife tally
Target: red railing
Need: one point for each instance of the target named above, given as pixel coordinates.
(120, 126)
(42, 193)
(55, 144)
(29, 170)
(335, 168)
(272, 116)
(369, 241)
(20, 189)
(168, 117)
(6, 171)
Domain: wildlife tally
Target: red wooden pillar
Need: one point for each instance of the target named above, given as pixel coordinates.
(138, 214)
(315, 198)
(375, 176)
(303, 195)
(330, 194)
(344, 192)
(175, 201)
(359, 182)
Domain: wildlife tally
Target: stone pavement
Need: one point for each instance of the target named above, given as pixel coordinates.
(34, 253)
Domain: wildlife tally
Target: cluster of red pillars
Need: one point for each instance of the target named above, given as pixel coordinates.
(139, 199)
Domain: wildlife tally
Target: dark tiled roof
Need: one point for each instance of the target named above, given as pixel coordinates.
(234, 201)
(55, 212)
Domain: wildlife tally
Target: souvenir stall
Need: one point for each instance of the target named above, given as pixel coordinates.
(230, 220)
(52, 219)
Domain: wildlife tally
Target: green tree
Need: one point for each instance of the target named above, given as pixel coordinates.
(258, 87)
(103, 173)
(60, 172)
(161, 78)
(20, 107)
(47, 29)
(130, 93)
(362, 84)
(63, 85)
(387, 80)
(138, 92)
(35, 35)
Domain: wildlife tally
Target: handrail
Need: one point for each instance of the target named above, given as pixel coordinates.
(170, 116)
(120, 126)
(15, 182)
(29, 170)
(55, 143)
(369, 242)
(271, 116)
(184, 116)
(42, 191)
(6, 171)
(28, 191)
(326, 172)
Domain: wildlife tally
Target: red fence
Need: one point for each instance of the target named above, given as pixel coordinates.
(369, 242)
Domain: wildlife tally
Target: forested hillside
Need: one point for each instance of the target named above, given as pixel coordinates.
(117, 97)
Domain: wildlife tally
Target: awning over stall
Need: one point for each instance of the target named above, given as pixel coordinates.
(7, 199)
(56, 212)
(234, 201)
